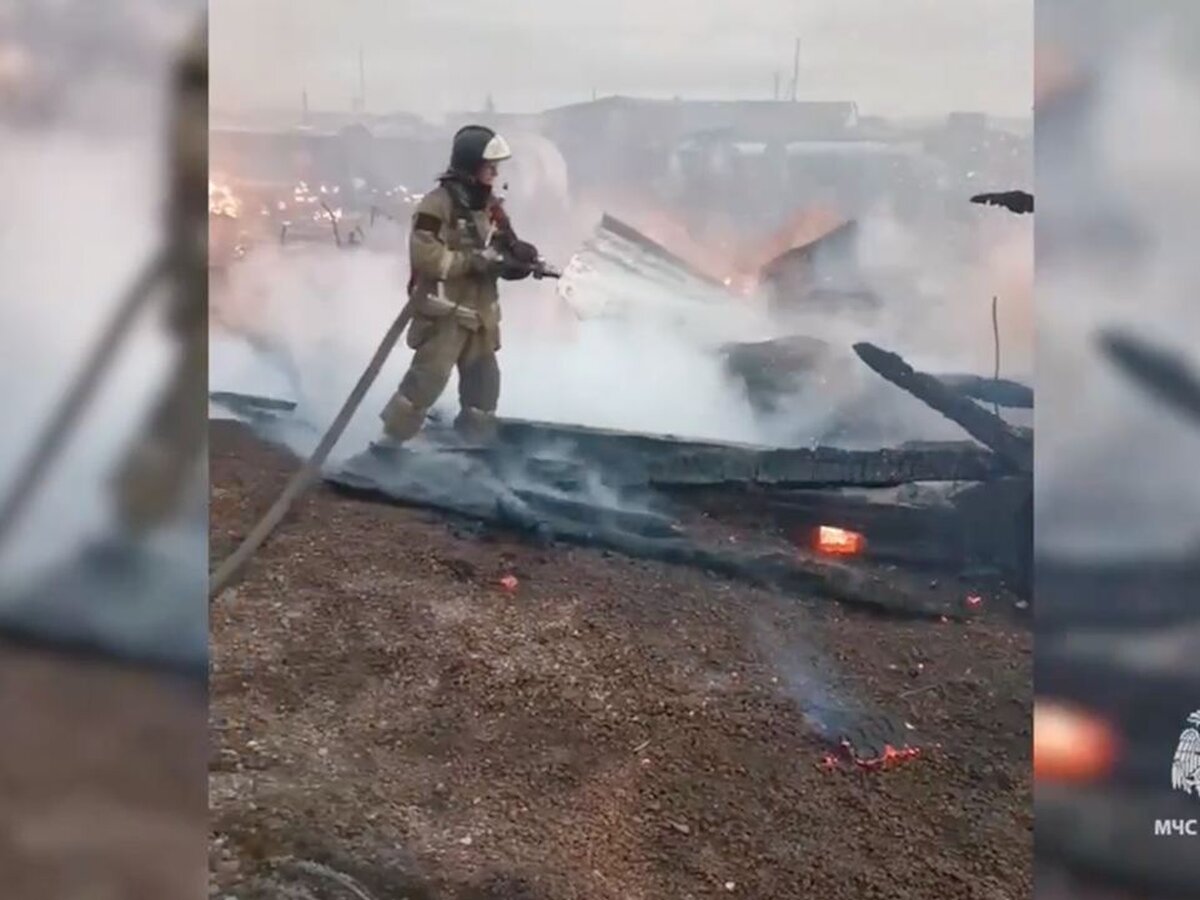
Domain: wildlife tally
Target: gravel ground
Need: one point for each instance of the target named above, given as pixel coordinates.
(610, 728)
(101, 780)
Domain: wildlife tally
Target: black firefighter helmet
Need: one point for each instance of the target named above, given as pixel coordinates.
(475, 145)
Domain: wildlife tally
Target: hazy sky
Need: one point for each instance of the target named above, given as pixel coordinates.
(433, 56)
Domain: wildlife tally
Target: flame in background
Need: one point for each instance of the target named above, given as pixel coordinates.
(724, 253)
(16, 67)
(805, 227)
(222, 201)
(1071, 745)
(834, 541)
(303, 201)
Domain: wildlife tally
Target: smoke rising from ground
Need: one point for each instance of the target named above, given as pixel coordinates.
(81, 173)
(805, 677)
(54, 309)
(1116, 470)
(327, 311)
(650, 362)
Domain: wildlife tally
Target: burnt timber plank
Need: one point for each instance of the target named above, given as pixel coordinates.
(987, 428)
(1001, 391)
(664, 460)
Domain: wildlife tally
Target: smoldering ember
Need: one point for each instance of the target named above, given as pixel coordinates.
(736, 596)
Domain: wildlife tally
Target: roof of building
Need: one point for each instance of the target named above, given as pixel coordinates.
(749, 119)
(840, 107)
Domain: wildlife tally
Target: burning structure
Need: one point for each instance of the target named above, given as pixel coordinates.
(867, 527)
(717, 257)
(764, 306)
(625, 492)
(741, 230)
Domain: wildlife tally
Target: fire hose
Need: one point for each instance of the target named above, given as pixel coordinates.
(307, 474)
(58, 430)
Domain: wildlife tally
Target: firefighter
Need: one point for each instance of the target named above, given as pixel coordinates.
(461, 243)
(151, 483)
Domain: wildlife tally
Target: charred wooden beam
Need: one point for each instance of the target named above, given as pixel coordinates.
(664, 460)
(626, 458)
(1117, 595)
(989, 429)
(641, 522)
(1019, 202)
(251, 403)
(432, 481)
(974, 528)
(1001, 391)
(774, 368)
(118, 599)
(682, 465)
(259, 412)
(897, 532)
(1164, 374)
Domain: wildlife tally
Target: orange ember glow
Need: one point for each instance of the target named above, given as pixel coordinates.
(890, 758)
(839, 541)
(1070, 745)
(723, 253)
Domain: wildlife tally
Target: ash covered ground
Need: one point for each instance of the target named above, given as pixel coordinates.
(381, 705)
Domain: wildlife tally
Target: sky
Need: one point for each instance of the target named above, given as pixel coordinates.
(894, 57)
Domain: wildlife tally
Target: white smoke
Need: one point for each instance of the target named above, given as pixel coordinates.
(1116, 470)
(637, 345)
(55, 303)
(327, 310)
(83, 184)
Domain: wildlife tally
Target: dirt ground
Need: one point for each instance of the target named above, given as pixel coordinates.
(611, 728)
(101, 780)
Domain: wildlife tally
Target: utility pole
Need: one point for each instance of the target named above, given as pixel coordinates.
(362, 81)
(775, 95)
(304, 106)
(796, 71)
